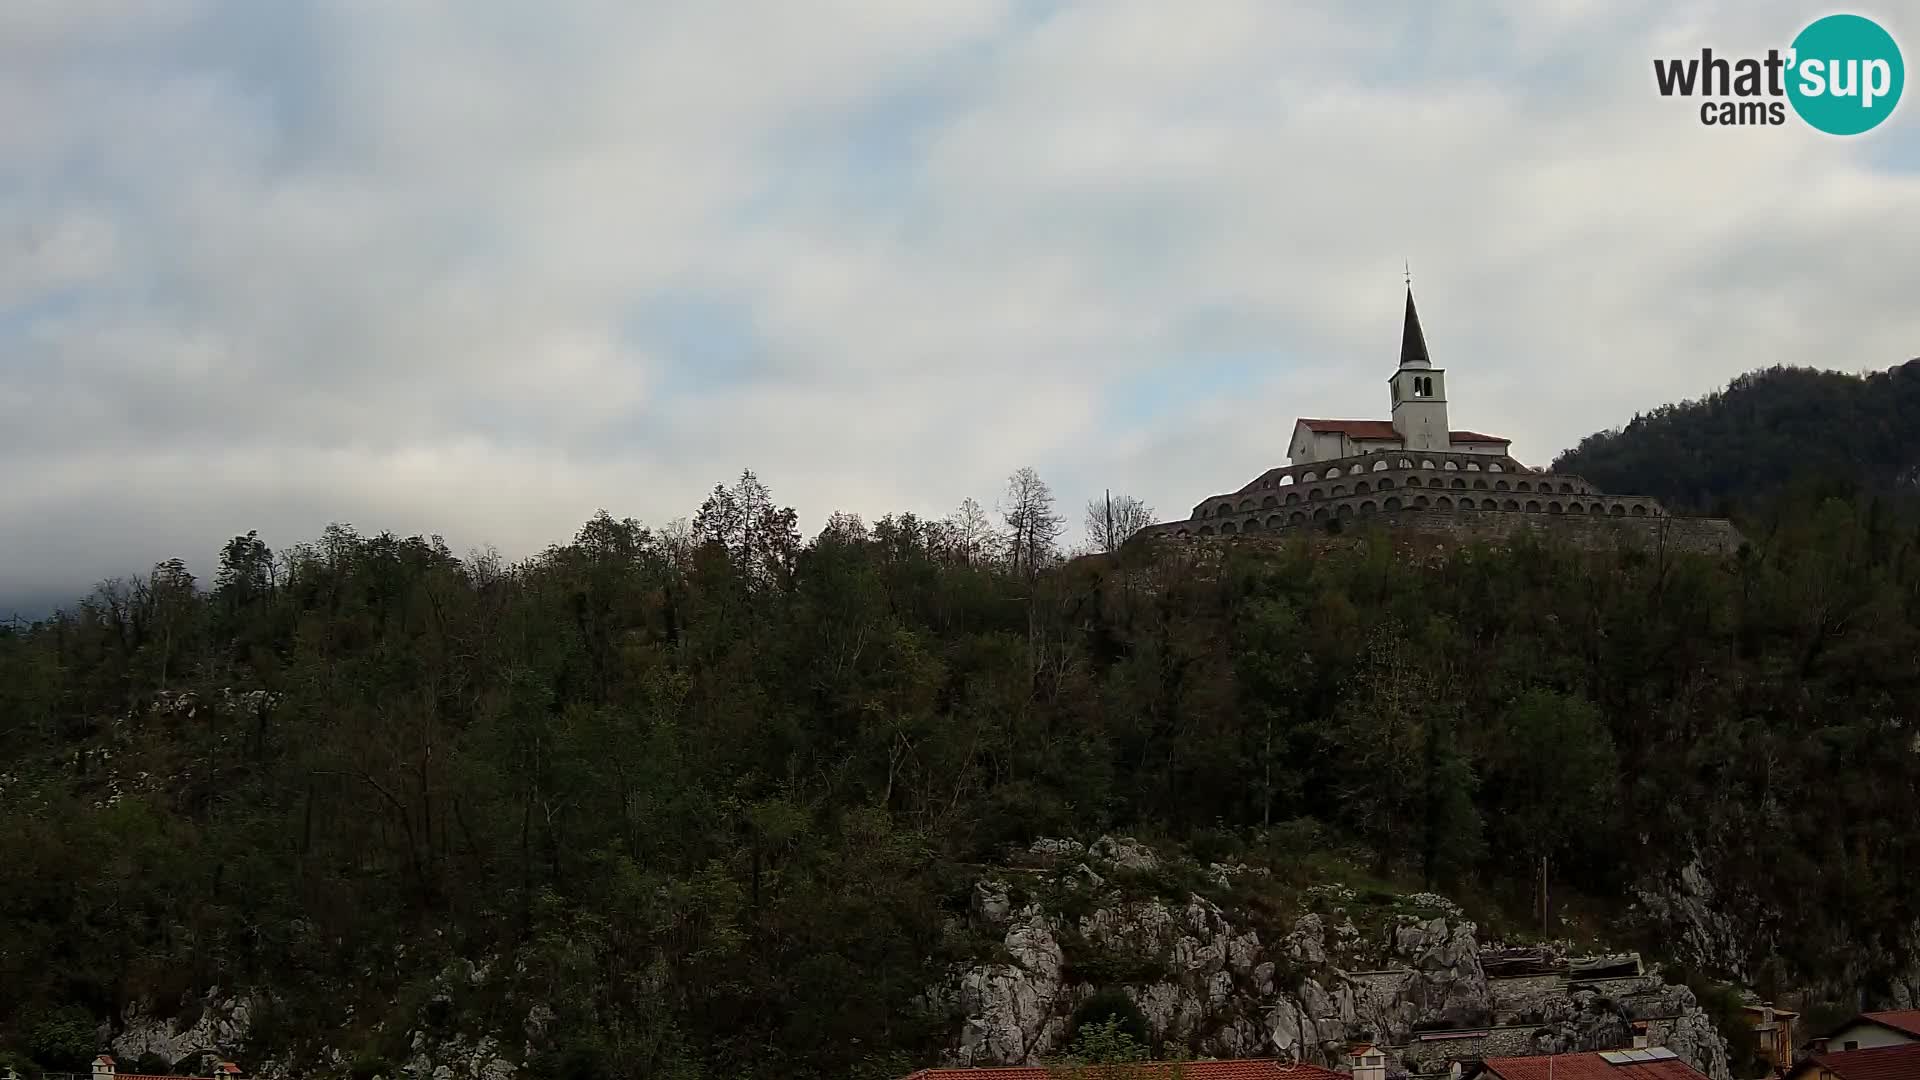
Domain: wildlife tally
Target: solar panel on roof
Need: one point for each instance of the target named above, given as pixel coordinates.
(1636, 1057)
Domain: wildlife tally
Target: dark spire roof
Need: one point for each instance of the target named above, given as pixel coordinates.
(1413, 343)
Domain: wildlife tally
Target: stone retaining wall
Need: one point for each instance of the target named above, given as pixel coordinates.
(1714, 536)
(1522, 995)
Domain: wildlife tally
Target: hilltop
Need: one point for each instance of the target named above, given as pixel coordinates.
(1766, 433)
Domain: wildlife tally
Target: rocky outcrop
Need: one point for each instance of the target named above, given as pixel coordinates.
(1204, 978)
(1687, 904)
(1447, 985)
(457, 1058)
(220, 1027)
(215, 1025)
(1016, 1010)
(1730, 933)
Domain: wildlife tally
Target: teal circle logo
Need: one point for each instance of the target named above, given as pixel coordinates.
(1845, 74)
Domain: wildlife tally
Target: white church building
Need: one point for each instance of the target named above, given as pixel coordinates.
(1412, 463)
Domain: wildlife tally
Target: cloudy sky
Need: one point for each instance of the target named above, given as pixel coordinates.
(479, 268)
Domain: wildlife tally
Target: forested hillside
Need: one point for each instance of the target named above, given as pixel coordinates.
(713, 794)
(1767, 433)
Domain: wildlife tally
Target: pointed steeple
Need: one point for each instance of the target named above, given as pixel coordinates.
(1413, 343)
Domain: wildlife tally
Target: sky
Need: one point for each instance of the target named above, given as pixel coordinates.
(478, 269)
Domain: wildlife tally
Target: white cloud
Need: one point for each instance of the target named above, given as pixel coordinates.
(270, 266)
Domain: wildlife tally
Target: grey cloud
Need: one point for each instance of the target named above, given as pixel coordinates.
(267, 266)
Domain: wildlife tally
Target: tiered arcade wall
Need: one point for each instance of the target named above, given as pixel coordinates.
(1393, 481)
(1465, 496)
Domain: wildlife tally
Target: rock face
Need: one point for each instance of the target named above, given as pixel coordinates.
(1203, 979)
(220, 1026)
(1731, 932)
(456, 1058)
(1015, 1011)
(216, 1025)
(1448, 985)
(1688, 904)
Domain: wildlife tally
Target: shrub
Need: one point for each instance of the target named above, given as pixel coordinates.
(1112, 1009)
(64, 1040)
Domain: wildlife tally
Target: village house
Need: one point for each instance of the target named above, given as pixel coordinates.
(105, 1068)
(1866, 1031)
(1774, 1030)
(1896, 1062)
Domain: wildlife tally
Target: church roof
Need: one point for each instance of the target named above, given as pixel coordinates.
(1356, 429)
(1413, 343)
(1384, 431)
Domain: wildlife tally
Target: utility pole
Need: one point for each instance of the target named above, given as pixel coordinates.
(1108, 539)
(1544, 932)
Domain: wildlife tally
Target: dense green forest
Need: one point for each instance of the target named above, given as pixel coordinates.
(713, 792)
(1770, 432)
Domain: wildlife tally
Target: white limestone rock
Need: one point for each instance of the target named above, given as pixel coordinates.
(1694, 1038)
(1125, 853)
(1015, 1012)
(1448, 984)
(220, 1027)
(1307, 942)
(1209, 983)
(1687, 904)
(1054, 848)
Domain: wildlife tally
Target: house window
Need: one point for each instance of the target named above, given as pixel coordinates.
(1852, 1044)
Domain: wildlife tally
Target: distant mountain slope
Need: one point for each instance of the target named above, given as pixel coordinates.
(1768, 429)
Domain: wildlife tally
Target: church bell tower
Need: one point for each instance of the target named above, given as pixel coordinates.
(1419, 390)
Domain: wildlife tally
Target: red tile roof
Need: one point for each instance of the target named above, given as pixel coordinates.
(1356, 429)
(1879, 1063)
(1588, 1067)
(225, 1068)
(1906, 1020)
(1171, 1070)
(1369, 430)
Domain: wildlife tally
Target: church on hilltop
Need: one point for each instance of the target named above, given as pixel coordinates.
(1416, 471)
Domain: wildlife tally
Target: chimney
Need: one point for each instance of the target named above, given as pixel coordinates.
(102, 1068)
(1640, 1039)
(1368, 1062)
